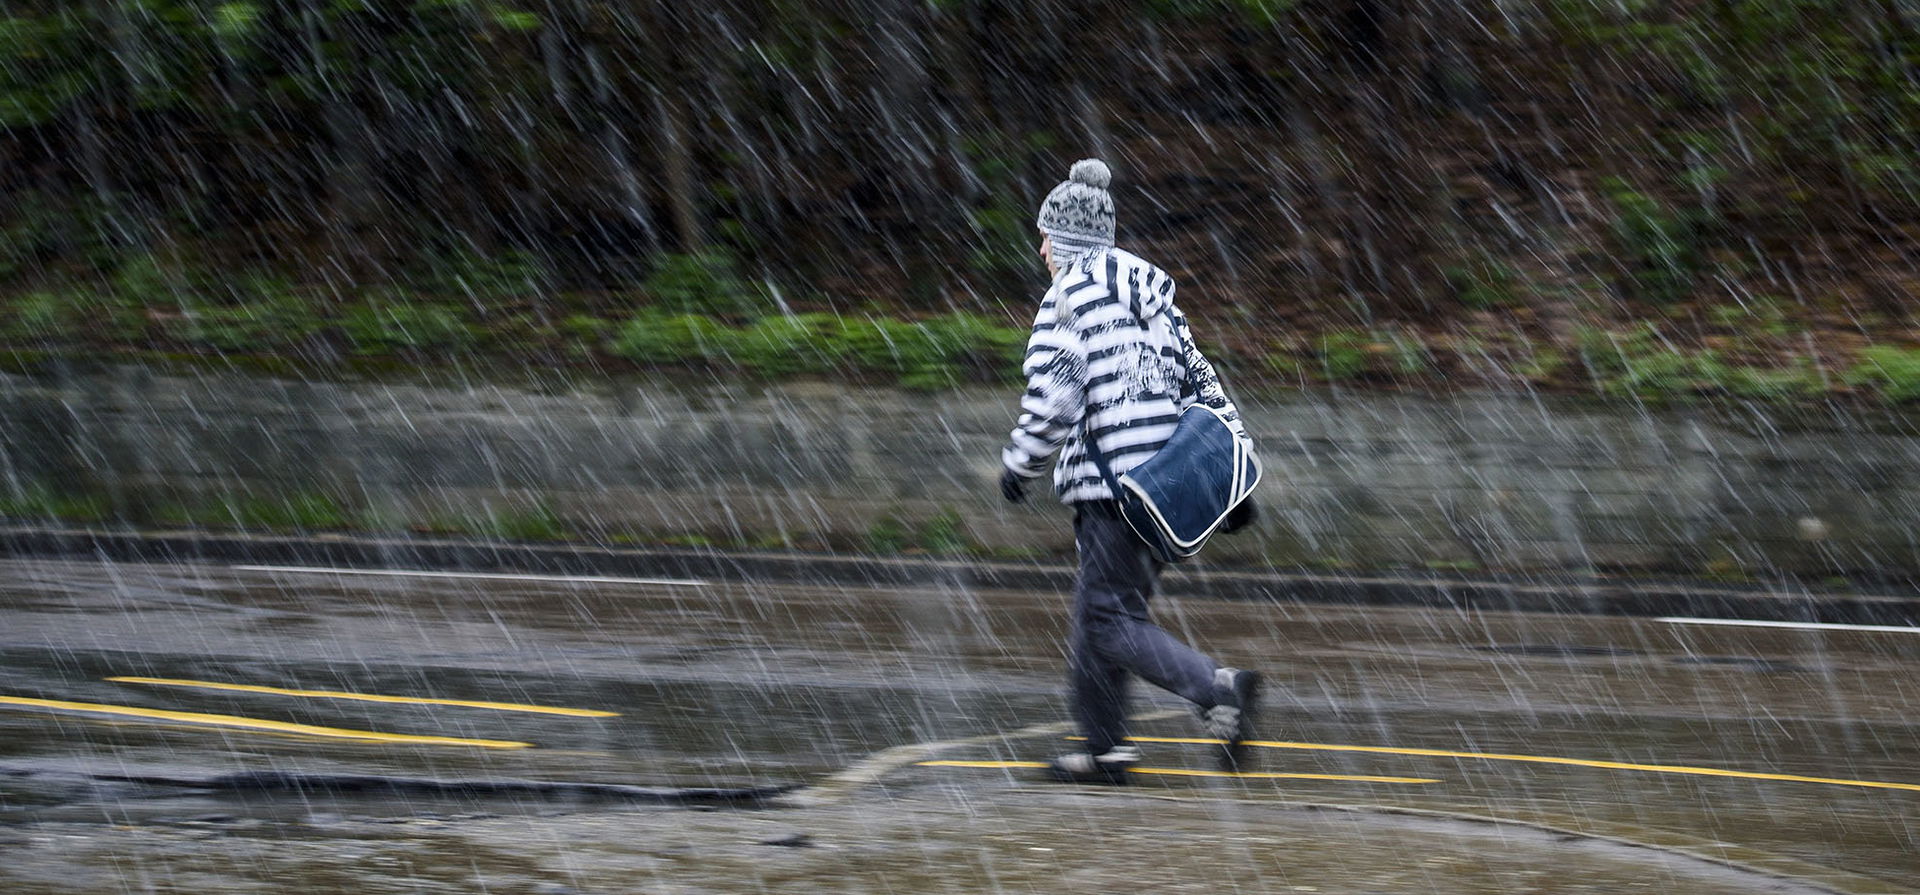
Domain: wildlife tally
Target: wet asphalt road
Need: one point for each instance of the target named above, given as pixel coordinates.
(1749, 759)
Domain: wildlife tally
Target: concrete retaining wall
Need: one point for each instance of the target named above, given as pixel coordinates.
(1357, 480)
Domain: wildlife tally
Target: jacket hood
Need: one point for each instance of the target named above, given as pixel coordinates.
(1145, 290)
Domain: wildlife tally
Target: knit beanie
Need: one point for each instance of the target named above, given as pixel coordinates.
(1078, 214)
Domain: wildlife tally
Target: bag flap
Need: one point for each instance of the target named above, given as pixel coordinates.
(1200, 474)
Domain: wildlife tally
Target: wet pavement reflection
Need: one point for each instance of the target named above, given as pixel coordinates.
(1748, 757)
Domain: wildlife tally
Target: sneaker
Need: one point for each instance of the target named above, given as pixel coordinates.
(1085, 767)
(1236, 700)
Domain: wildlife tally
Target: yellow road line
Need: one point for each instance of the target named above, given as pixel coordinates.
(1182, 772)
(486, 576)
(981, 764)
(1263, 775)
(368, 697)
(1542, 759)
(254, 723)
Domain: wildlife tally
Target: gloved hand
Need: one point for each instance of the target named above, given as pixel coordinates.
(1012, 486)
(1242, 515)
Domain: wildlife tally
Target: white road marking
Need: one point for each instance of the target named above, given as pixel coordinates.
(409, 573)
(1815, 626)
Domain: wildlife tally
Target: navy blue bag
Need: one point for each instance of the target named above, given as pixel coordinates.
(1178, 497)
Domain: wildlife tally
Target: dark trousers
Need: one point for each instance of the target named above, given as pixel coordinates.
(1111, 634)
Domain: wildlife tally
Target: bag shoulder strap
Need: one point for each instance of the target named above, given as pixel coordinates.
(1094, 453)
(1098, 457)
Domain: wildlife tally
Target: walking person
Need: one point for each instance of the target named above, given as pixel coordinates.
(1111, 359)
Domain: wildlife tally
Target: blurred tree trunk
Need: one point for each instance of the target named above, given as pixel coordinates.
(680, 54)
(346, 158)
(903, 162)
(96, 138)
(677, 153)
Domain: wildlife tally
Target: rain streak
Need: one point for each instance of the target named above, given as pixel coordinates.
(979, 446)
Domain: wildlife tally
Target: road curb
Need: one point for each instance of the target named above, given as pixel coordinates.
(1567, 593)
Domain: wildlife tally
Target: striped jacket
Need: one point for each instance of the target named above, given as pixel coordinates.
(1109, 353)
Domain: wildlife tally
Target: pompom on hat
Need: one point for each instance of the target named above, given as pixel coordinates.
(1078, 214)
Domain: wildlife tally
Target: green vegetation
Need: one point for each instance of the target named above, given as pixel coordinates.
(249, 327)
(934, 353)
(393, 327)
(786, 345)
(41, 503)
(1753, 351)
(311, 511)
(1640, 364)
(1759, 358)
(68, 317)
(1350, 354)
(394, 185)
(307, 511)
(1483, 283)
(706, 282)
(38, 318)
(1659, 247)
(887, 535)
(535, 523)
(1541, 365)
(942, 533)
(1891, 371)
(931, 353)
(655, 337)
(1345, 355)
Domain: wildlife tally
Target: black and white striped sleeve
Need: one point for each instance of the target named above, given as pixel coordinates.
(1055, 402)
(1203, 384)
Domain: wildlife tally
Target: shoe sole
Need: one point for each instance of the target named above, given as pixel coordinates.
(1105, 778)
